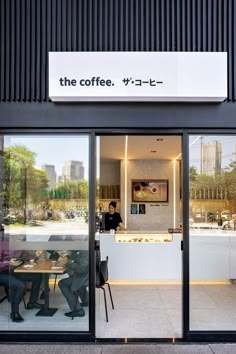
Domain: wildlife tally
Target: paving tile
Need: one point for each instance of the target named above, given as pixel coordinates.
(223, 348)
(50, 349)
(157, 349)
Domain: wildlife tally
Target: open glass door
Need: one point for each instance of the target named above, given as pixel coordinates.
(139, 221)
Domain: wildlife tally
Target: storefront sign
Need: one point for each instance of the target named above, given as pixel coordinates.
(138, 76)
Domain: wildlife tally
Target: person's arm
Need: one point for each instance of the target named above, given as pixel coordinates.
(122, 226)
(120, 223)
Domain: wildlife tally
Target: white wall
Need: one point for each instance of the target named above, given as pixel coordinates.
(110, 172)
(159, 216)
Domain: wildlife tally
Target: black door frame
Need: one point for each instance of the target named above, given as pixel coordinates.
(70, 336)
(192, 335)
(151, 132)
(188, 336)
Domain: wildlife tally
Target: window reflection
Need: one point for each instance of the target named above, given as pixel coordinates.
(44, 232)
(212, 222)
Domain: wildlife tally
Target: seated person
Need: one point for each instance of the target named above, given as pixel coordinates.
(113, 219)
(9, 260)
(76, 284)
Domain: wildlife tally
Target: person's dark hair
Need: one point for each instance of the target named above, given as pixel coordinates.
(112, 204)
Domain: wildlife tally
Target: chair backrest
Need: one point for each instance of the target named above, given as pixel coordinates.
(102, 273)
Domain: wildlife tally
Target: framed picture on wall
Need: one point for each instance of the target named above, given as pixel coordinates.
(150, 190)
(142, 209)
(133, 209)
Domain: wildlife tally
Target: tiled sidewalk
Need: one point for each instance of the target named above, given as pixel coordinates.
(118, 349)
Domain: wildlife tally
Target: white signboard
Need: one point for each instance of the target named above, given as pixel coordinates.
(138, 76)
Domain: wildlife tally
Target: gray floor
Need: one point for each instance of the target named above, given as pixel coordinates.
(147, 311)
(152, 311)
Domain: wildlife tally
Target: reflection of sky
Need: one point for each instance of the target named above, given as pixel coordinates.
(228, 148)
(54, 150)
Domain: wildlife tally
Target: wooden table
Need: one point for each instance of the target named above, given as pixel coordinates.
(44, 267)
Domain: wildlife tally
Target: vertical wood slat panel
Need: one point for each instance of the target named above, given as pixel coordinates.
(63, 26)
(38, 50)
(13, 51)
(23, 51)
(28, 39)
(2, 50)
(204, 26)
(53, 26)
(49, 42)
(31, 28)
(43, 49)
(131, 19)
(230, 26)
(33, 52)
(8, 56)
(74, 27)
(69, 26)
(234, 52)
(80, 24)
(105, 25)
(152, 26)
(2, 47)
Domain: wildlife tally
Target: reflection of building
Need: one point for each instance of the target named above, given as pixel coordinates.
(73, 170)
(52, 176)
(59, 179)
(211, 154)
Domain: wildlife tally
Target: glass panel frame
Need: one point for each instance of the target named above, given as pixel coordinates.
(222, 248)
(63, 241)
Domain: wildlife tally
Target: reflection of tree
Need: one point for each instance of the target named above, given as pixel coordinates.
(23, 183)
(230, 180)
(73, 189)
(220, 186)
(192, 173)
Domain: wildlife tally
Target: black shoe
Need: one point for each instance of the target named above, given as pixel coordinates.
(76, 313)
(34, 305)
(84, 304)
(16, 317)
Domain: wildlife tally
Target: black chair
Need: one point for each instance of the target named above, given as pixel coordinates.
(101, 280)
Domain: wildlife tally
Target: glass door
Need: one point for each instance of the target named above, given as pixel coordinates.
(44, 268)
(212, 229)
(139, 220)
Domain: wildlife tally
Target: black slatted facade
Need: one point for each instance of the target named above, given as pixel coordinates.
(29, 29)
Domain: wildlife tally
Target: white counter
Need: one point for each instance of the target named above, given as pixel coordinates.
(142, 261)
(212, 257)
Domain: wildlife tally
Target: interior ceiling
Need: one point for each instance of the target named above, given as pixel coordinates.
(140, 147)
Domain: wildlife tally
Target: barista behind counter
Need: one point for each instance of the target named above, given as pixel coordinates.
(113, 219)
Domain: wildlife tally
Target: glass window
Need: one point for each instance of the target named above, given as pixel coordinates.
(44, 263)
(212, 206)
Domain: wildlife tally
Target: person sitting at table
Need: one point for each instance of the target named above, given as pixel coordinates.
(76, 284)
(9, 260)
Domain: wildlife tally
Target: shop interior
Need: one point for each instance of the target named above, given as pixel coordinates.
(142, 174)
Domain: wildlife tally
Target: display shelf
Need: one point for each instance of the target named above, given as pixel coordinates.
(142, 237)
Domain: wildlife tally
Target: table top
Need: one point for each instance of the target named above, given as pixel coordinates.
(41, 267)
